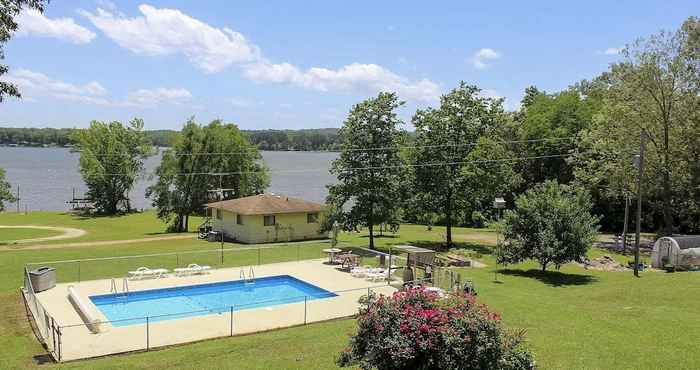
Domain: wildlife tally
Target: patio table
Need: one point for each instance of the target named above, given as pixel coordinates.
(331, 253)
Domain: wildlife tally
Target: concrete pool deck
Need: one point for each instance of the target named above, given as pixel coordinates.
(79, 342)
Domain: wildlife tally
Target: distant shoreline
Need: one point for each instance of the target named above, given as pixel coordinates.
(45, 146)
(302, 140)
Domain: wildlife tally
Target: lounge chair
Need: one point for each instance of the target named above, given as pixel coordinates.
(376, 274)
(192, 269)
(145, 272)
(359, 272)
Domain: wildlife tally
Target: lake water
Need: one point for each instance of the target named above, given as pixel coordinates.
(47, 176)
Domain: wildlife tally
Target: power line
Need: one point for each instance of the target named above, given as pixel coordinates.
(304, 170)
(395, 147)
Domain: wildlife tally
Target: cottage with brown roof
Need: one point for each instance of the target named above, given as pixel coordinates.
(267, 218)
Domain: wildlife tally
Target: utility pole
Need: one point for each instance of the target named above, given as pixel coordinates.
(624, 227)
(640, 167)
(498, 204)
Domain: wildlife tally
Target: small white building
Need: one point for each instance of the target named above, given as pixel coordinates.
(679, 251)
(267, 218)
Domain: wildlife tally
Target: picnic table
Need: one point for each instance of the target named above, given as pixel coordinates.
(349, 260)
(331, 254)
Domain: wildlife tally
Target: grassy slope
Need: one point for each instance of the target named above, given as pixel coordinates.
(131, 226)
(9, 234)
(575, 318)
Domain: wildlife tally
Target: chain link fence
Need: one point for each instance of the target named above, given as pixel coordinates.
(74, 340)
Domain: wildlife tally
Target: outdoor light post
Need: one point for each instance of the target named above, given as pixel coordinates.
(334, 234)
(498, 204)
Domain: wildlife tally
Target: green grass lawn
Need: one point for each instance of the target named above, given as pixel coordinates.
(130, 226)
(10, 234)
(575, 318)
(578, 319)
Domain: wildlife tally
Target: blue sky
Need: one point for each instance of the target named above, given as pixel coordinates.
(283, 64)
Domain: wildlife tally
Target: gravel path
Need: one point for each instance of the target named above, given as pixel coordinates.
(68, 233)
(74, 233)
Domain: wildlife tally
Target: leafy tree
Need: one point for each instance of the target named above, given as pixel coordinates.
(111, 159)
(185, 182)
(415, 329)
(5, 191)
(9, 9)
(443, 144)
(369, 168)
(529, 97)
(487, 174)
(549, 121)
(551, 223)
(654, 90)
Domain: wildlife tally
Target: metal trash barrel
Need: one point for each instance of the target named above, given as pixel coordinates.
(43, 278)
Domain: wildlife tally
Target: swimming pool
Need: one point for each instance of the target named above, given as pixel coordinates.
(203, 299)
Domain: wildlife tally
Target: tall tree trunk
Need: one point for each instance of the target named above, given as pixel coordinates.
(448, 220)
(370, 226)
(179, 222)
(187, 223)
(668, 218)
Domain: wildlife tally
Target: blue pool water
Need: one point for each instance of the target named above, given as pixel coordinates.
(195, 300)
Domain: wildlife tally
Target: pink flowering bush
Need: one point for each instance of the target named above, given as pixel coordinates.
(415, 329)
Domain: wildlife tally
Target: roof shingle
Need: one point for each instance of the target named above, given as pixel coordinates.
(266, 204)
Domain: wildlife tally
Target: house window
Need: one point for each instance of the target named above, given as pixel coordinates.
(269, 220)
(311, 218)
(219, 214)
(239, 219)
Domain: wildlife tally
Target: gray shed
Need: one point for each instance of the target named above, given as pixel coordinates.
(679, 251)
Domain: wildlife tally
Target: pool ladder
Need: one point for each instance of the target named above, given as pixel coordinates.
(113, 286)
(251, 275)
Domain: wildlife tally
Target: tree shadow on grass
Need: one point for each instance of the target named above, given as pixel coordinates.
(166, 232)
(362, 252)
(82, 216)
(441, 246)
(381, 236)
(552, 278)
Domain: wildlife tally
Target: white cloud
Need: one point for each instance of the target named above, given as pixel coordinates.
(483, 56)
(32, 22)
(38, 84)
(365, 78)
(612, 51)
(149, 97)
(35, 84)
(169, 31)
(112, 7)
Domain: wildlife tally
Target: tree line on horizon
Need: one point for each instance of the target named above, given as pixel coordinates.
(320, 139)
